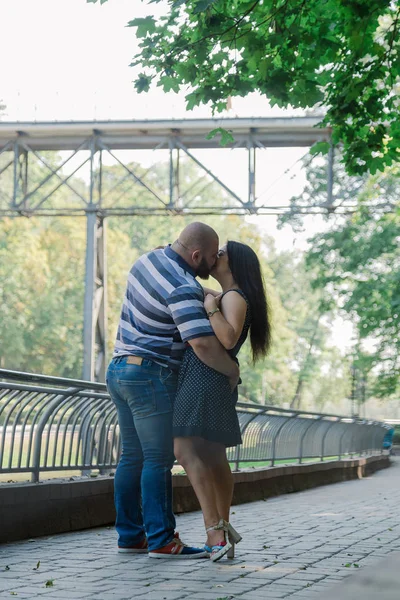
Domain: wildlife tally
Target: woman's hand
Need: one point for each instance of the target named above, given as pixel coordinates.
(211, 303)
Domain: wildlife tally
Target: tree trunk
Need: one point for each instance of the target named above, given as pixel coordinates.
(296, 400)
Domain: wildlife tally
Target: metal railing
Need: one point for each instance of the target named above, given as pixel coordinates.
(51, 424)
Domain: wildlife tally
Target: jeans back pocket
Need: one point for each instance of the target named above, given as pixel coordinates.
(139, 395)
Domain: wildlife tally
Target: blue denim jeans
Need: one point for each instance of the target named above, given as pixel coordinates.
(143, 396)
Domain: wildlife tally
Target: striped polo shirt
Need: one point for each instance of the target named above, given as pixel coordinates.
(163, 309)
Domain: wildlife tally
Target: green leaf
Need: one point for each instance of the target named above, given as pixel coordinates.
(226, 136)
(49, 583)
(169, 84)
(192, 100)
(145, 25)
(202, 5)
(37, 566)
(142, 83)
(347, 565)
(320, 148)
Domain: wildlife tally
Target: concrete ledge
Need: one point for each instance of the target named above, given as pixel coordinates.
(57, 506)
(259, 484)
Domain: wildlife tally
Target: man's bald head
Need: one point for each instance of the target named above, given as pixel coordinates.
(198, 245)
(198, 236)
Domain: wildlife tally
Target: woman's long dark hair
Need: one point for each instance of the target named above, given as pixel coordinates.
(246, 271)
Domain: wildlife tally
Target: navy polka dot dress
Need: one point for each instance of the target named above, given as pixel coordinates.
(205, 406)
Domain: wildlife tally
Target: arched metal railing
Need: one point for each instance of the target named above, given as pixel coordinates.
(52, 424)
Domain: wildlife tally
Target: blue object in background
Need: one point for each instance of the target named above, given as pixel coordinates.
(388, 439)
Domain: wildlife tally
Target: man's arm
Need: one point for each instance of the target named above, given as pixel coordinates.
(213, 354)
(187, 310)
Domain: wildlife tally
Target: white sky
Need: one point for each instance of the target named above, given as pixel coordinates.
(69, 60)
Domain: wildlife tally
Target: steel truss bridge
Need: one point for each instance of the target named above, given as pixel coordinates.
(22, 143)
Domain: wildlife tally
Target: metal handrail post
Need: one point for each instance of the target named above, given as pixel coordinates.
(237, 454)
(324, 437)
(37, 443)
(340, 443)
(276, 437)
(302, 439)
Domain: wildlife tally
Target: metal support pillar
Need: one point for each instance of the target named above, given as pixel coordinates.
(252, 172)
(331, 159)
(100, 302)
(88, 310)
(171, 175)
(15, 175)
(20, 179)
(95, 301)
(174, 177)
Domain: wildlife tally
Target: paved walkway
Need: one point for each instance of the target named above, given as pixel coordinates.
(295, 546)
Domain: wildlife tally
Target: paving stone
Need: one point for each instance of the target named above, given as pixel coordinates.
(309, 537)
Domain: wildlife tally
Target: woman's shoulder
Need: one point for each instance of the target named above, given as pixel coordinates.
(237, 302)
(239, 291)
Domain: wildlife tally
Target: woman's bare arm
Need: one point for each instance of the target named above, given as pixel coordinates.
(228, 322)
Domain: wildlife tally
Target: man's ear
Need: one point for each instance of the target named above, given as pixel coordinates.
(196, 256)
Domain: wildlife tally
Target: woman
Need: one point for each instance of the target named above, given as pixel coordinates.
(205, 418)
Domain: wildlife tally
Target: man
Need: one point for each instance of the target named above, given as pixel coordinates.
(162, 310)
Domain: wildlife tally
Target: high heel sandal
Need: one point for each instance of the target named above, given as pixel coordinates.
(234, 535)
(234, 538)
(225, 547)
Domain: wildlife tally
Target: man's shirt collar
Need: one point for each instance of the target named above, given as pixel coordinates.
(181, 262)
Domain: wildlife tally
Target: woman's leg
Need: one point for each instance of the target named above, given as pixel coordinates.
(215, 457)
(190, 453)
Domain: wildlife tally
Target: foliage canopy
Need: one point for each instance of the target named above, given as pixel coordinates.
(342, 55)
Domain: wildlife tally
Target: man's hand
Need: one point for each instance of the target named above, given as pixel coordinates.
(210, 352)
(233, 381)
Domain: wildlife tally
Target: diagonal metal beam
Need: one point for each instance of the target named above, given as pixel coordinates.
(53, 172)
(209, 172)
(64, 182)
(137, 179)
(6, 147)
(7, 165)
